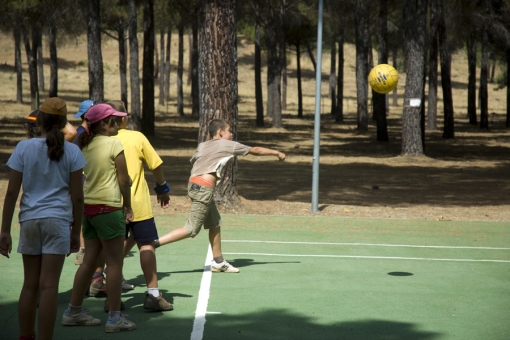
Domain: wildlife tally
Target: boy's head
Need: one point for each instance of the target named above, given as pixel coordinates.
(218, 128)
(118, 105)
(84, 107)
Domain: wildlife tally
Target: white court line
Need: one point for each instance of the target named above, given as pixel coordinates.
(203, 299)
(370, 257)
(367, 244)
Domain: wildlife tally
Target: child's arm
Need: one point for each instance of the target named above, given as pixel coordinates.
(161, 187)
(69, 132)
(76, 190)
(124, 184)
(260, 151)
(11, 196)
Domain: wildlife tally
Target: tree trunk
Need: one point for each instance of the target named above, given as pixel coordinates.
(258, 66)
(378, 99)
(283, 55)
(311, 56)
(433, 55)
(332, 78)
(274, 108)
(195, 98)
(190, 58)
(135, 121)
(148, 69)
(218, 83)
(339, 112)
(123, 65)
(96, 76)
(161, 101)
(31, 52)
(471, 100)
(362, 43)
(299, 86)
(40, 60)
(484, 75)
(156, 58)
(18, 65)
(508, 87)
(415, 12)
(180, 71)
(52, 37)
(395, 65)
(167, 63)
(446, 81)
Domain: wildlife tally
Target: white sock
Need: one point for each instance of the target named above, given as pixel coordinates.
(153, 291)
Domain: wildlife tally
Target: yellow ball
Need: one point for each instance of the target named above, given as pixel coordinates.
(383, 78)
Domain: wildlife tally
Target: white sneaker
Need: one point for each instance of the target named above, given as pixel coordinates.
(122, 325)
(83, 318)
(223, 267)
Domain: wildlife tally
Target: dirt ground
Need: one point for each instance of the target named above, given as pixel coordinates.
(466, 178)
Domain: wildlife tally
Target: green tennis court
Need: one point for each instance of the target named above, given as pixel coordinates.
(311, 278)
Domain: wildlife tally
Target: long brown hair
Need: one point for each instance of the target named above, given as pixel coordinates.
(87, 136)
(52, 124)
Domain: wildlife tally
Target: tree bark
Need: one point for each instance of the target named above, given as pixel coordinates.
(299, 80)
(40, 60)
(339, 112)
(433, 61)
(283, 55)
(52, 37)
(258, 69)
(195, 99)
(311, 56)
(167, 63)
(378, 99)
(31, 52)
(332, 78)
(471, 100)
(123, 65)
(415, 12)
(135, 121)
(395, 65)
(218, 83)
(148, 69)
(180, 71)
(18, 65)
(484, 75)
(96, 76)
(161, 98)
(446, 79)
(274, 106)
(362, 43)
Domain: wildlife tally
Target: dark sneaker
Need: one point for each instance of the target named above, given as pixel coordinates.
(126, 285)
(224, 267)
(106, 309)
(83, 318)
(157, 303)
(97, 287)
(122, 325)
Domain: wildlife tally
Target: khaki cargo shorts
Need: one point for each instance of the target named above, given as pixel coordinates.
(203, 209)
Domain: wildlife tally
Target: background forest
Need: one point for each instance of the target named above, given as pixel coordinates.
(453, 55)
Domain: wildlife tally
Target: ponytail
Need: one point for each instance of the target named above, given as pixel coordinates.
(53, 124)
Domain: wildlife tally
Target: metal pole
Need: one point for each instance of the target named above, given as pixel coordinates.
(317, 122)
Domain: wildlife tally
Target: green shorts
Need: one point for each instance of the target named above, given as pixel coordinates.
(105, 226)
(203, 209)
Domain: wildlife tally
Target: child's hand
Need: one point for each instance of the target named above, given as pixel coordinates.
(128, 213)
(5, 244)
(164, 200)
(75, 243)
(281, 156)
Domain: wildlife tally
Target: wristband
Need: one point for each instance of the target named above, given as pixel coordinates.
(161, 189)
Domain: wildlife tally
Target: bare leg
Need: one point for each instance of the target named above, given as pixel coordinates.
(113, 255)
(129, 244)
(148, 264)
(51, 268)
(215, 241)
(85, 271)
(174, 236)
(27, 305)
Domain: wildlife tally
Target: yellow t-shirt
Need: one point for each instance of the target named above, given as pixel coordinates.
(138, 150)
(101, 185)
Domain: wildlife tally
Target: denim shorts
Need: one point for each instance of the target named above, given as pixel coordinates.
(105, 226)
(203, 209)
(143, 231)
(45, 236)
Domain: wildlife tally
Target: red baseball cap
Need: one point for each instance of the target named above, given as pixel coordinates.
(101, 111)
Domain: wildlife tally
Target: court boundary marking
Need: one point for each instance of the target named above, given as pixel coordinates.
(368, 244)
